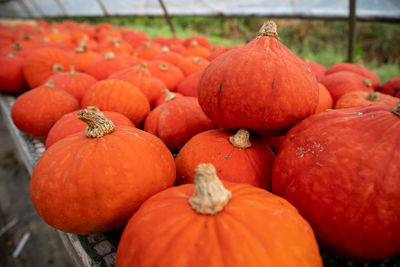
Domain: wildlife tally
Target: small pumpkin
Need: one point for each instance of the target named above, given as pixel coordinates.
(119, 96)
(214, 223)
(191, 65)
(325, 100)
(166, 96)
(188, 86)
(201, 40)
(12, 78)
(175, 122)
(35, 111)
(391, 86)
(85, 57)
(167, 55)
(148, 50)
(361, 98)
(196, 50)
(102, 68)
(70, 124)
(93, 182)
(237, 157)
(318, 69)
(168, 73)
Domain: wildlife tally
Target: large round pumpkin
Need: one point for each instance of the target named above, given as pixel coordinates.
(217, 224)
(260, 86)
(237, 157)
(94, 182)
(340, 169)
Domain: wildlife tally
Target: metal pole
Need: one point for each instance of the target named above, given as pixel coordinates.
(167, 17)
(38, 8)
(25, 8)
(103, 7)
(62, 8)
(352, 30)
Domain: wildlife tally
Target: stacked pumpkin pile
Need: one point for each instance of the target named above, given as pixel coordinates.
(92, 90)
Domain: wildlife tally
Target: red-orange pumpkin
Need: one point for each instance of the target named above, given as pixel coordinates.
(316, 68)
(94, 182)
(102, 68)
(169, 56)
(201, 40)
(340, 169)
(190, 65)
(217, 224)
(189, 85)
(342, 82)
(35, 111)
(391, 86)
(237, 157)
(325, 100)
(175, 122)
(11, 75)
(360, 98)
(42, 63)
(84, 58)
(356, 68)
(74, 83)
(148, 50)
(119, 96)
(166, 97)
(70, 124)
(196, 50)
(260, 86)
(141, 78)
(166, 72)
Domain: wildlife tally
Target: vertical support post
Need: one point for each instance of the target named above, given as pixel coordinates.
(103, 8)
(62, 8)
(352, 30)
(168, 18)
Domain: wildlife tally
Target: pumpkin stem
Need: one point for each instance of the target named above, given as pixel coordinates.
(72, 71)
(197, 60)
(17, 46)
(58, 68)
(98, 124)
(210, 196)
(12, 54)
(168, 95)
(268, 29)
(368, 83)
(81, 49)
(116, 43)
(164, 49)
(109, 55)
(396, 109)
(50, 83)
(193, 43)
(142, 66)
(373, 96)
(241, 139)
(163, 67)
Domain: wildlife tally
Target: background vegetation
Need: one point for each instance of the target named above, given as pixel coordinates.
(323, 41)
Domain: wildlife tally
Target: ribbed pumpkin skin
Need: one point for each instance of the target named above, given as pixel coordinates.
(35, 111)
(141, 78)
(89, 185)
(11, 76)
(360, 98)
(256, 228)
(339, 83)
(176, 121)
(70, 124)
(169, 56)
(75, 84)
(252, 165)
(84, 59)
(254, 86)
(190, 65)
(340, 169)
(189, 85)
(119, 96)
(102, 68)
(168, 73)
(325, 100)
(360, 70)
(391, 86)
(39, 65)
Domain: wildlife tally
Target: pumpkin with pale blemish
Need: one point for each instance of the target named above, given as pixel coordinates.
(259, 86)
(340, 169)
(237, 157)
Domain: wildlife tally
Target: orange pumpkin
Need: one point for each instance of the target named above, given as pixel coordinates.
(35, 111)
(42, 63)
(166, 96)
(237, 157)
(93, 182)
(102, 68)
(201, 40)
(217, 224)
(148, 50)
(11, 75)
(196, 50)
(391, 86)
(325, 100)
(84, 58)
(360, 98)
(316, 68)
(166, 72)
(169, 56)
(189, 85)
(119, 96)
(190, 65)
(70, 124)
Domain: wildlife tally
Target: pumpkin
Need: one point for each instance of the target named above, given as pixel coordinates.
(360, 98)
(104, 67)
(188, 86)
(167, 55)
(42, 63)
(135, 38)
(253, 86)
(166, 96)
(148, 50)
(16, 49)
(217, 53)
(325, 100)
(237, 157)
(391, 86)
(175, 122)
(93, 182)
(214, 223)
(191, 65)
(117, 46)
(74, 83)
(35, 111)
(119, 96)
(318, 69)
(141, 78)
(196, 50)
(201, 40)
(70, 124)
(168, 73)
(11, 76)
(339, 83)
(340, 169)
(355, 68)
(84, 58)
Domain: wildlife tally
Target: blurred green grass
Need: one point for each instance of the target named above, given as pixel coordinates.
(323, 41)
